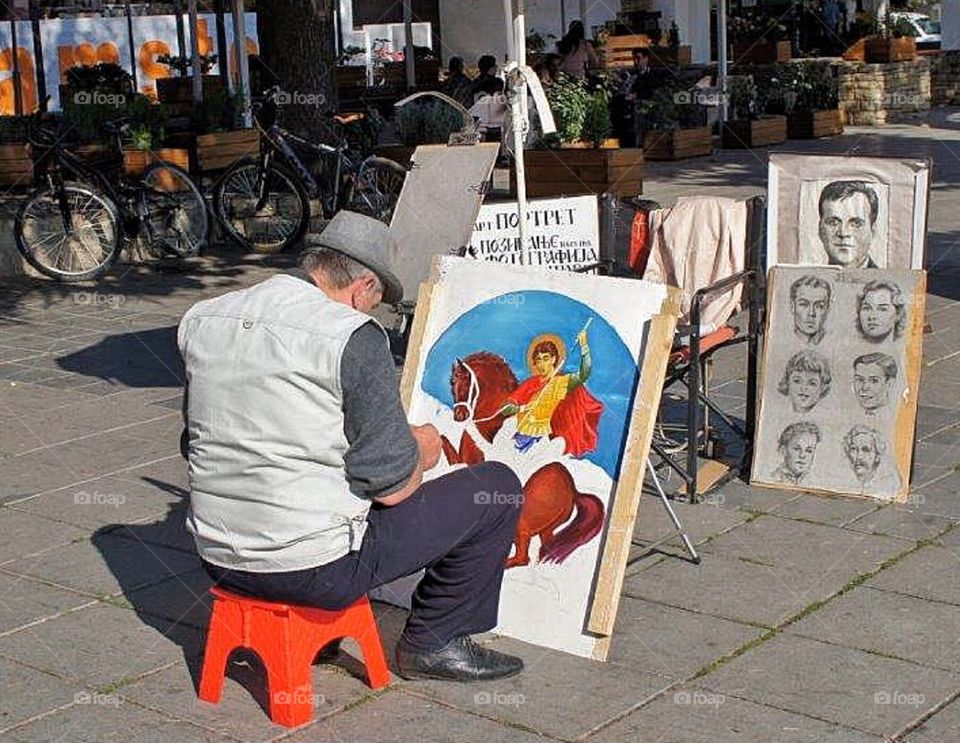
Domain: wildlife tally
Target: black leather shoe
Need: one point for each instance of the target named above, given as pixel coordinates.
(461, 660)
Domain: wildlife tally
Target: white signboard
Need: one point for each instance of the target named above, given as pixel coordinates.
(563, 233)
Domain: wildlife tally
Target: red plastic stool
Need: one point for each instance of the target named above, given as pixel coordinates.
(287, 638)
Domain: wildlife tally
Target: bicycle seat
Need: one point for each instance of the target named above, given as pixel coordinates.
(348, 118)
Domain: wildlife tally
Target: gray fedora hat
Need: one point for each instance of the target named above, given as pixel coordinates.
(367, 241)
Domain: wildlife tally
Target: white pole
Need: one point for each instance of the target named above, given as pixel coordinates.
(518, 110)
(508, 20)
(722, 57)
(243, 69)
(195, 53)
(408, 56)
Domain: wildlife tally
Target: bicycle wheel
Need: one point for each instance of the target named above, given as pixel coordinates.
(377, 187)
(177, 220)
(82, 246)
(271, 227)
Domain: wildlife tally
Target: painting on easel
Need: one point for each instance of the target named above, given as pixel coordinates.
(558, 376)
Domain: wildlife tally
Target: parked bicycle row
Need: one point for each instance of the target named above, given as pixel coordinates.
(76, 222)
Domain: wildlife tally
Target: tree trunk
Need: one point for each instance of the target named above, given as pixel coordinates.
(297, 45)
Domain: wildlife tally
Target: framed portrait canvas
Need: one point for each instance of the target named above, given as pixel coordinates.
(558, 376)
(839, 380)
(850, 212)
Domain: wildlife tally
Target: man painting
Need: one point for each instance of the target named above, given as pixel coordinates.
(810, 303)
(848, 223)
(553, 404)
(306, 481)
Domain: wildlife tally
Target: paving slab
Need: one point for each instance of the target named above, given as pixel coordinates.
(902, 522)
(102, 502)
(673, 643)
(932, 460)
(108, 717)
(23, 602)
(542, 697)
(698, 715)
(701, 521)
(105, 566)
(849, 687)
(940, 496)
(26, 693)
(24, 534)
(933, 419)
(100, 645)
(929, 573)
(241, 712)
(183, 599)
(732, 588)
(738, 494)
(943, 726)
(889, 624)
(34, 473)
(400, 717)
(833, 511)
(806, 549)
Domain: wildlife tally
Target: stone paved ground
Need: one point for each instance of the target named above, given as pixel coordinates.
(810, 618)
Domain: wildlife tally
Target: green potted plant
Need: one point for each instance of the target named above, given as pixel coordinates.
(759, 38)
(581, 158)
(896, 42)
(751, 125)
(178, 90)
(675, 123)
(807, 95)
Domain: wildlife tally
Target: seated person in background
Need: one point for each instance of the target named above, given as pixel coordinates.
(639, 85)
(577, 52)
(487, 82)
(458, 85)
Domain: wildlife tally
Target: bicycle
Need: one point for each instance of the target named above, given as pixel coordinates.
(73, 226)
(263, 203)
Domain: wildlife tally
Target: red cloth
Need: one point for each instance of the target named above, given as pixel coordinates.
(639, 242)
(576, 418)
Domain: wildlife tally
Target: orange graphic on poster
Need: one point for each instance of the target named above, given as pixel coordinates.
(28, 82)
(85, 54)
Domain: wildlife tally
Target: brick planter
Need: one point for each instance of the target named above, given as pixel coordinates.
(571, 172)
(762, 52)
(750, 133)
(677, 144)
(815, 124)
(872, 94)
(882, 50)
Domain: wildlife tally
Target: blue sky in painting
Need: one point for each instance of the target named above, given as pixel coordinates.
(508, 323)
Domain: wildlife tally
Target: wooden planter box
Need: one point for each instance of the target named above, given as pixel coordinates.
(749, 133)
(618, 52)
(676, 144)
(571, 172)
(881, 50)
(220, 150)
(762, 52)
(856, 52)
(16, 166)
(815, 124)
(135, 162)
(180, 89)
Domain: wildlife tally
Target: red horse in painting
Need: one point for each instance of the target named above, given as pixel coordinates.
(481, 384)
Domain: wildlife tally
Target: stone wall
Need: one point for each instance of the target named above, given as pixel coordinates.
(945, 79)
(872, 94)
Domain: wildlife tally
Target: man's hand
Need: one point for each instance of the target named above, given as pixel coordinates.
(428, 441)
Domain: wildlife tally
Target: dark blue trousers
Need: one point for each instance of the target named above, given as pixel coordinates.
(458, 528)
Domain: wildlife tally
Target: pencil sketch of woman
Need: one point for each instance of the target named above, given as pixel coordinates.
(881, 311)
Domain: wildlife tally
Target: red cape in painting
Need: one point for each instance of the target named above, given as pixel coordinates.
(575, 419)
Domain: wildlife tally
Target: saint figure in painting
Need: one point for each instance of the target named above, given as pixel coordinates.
(553, 404)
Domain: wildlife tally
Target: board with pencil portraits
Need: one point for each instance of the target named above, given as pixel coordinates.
(839, 380)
